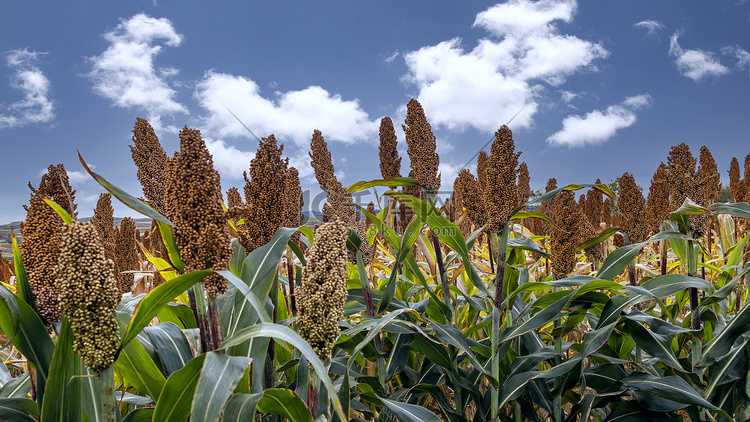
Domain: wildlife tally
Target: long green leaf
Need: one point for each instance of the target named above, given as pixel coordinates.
(722, 342)
(731, 367)
(62, 397)
(391, 183)
(27, 332)
(601, 237)
(618, 261)
(22, 282)
(170, 344)
(218, 379)
(737, 209)
(654, 344)
(124, 197)
(280, 332)
(136, 366)
(285, 403)
(670, 387)
(406, 412)
(66, 218)
(18, 410)
(19, 386)
(241, 407)
(156, 299)
(176, 398)
(670, 284)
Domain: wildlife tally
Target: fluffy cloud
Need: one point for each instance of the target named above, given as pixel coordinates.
(598, 126)
(228, 160)
(35, 107)
(653, 27)
(291, 115)
(486, 86)
(742, 56)
(695, 64)
(125, 73)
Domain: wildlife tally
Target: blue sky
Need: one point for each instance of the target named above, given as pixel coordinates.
(602, 87)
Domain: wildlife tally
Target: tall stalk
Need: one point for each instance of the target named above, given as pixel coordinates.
(106, 380)
(501, 241)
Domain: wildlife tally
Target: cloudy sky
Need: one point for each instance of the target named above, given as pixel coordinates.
(596, 88)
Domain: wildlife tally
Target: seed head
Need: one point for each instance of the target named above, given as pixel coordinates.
(524, 189)
(151, 160)
(708, 186)
(593, 207)
(234, 198)
(390, 162)
(657, 205)
(681, 168)
(322, 293)
(421, 147)
(125, 255)
(736, 184)
(633, 209)
(193, 202)
(470, 197)
(88, 295)
(264, 191)
(563, 240)
(501, 194)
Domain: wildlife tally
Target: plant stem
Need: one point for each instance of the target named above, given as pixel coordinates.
(216, 333)
(107, 386)
(195, 299)
(441, 268)
(270, 369)
(502, 242)
(692, 267)
(290, 277)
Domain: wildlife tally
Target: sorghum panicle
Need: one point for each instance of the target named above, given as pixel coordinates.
(500, 195)
(563, 240)
(657, 204)
(151, 160)
(390, 162)
(421, 147)
(633, 209)
(88, 295)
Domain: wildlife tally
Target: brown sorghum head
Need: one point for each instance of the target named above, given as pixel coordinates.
(563, 239)
(88, 295)
(708, 186)
(501, 193)
(264, 192)
(194, 206)
(593, 207)
(607, 212)
(524, 189)
(41, 232)
(657, 205)
(151, 160)
(736, 184)
(548, 208)
(470, 196)
(421, 147)
(322, 293)
(681, 168)
(390, 162)
(234, 198)
(340, 203)
(125, 256)
(585, 232)
(104, 222)
(633, 209)
(6, 270)
(371, 210)
(293, 198)
(321, 160)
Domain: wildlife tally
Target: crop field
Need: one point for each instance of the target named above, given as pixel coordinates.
(477, 301)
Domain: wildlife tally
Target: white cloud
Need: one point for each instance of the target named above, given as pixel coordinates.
(229, 161)
(392, 57)
(291, 115)
(125, 73)
(653, 27)
(695, 64)
(567, 96)
(598, 126)
(742, 56)
(35, 107)
(488, 85)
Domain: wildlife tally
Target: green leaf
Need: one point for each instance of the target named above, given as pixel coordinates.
(136, 366)
(391, 183)
(284, 403)
(149, 307)
(542, 317)
(127, 199)
(218, 379)
(689, 207)
(170, 344)
(737, 209)
(595, 339)
(452, 335)
(601, 237)
(169, 243)
(241, 407)
(406, 412)
(722, 342)
(654, 344)
(670, 284)
(18, 410)
(66, 218)
(176, 398)
(62, 397)
(618, 261)
(729, 368)
(280, 332)
(22, 283)
(670, 387)
(27, 332)
(140, 415)
(19, 386)
(411, 234)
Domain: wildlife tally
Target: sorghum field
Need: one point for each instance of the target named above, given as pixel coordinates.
(587, 302)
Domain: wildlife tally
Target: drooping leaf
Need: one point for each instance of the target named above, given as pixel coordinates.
(670, 387)
(217, 381)
(285, 403)
(722, 342)
(62, 397)
(136, 366)
(66, 218)
(18, 410)
(737, 209)
(391, 183)
(176, 398)
(407, 412)
(618, 260)
(170, 344)
(241, 407)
